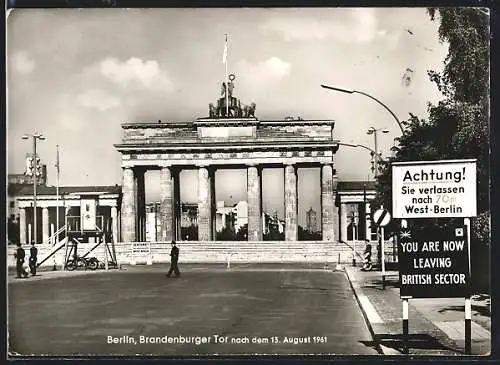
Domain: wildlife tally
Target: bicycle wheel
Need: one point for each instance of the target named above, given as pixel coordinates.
(71, 265)
(93, 264)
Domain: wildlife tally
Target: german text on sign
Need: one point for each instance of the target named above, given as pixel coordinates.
(432, 189)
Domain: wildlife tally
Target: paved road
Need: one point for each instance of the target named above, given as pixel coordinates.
(78, 314)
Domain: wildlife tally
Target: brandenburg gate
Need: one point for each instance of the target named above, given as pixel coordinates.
(230, 137)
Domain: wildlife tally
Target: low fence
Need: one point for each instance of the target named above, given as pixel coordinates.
(227, 252)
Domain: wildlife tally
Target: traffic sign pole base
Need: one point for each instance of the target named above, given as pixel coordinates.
(405, 337)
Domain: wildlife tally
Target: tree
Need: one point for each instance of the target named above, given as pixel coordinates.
(242, 234)
(227, 234)
(306, 235)
(466, 74)
(458, 126)
(189, 233)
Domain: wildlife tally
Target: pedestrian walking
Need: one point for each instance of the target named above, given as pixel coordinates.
(174, 258)
(367, 257)
(20, 255)
(33, 258)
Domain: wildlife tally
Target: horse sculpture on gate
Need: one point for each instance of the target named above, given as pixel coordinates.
(229, 106)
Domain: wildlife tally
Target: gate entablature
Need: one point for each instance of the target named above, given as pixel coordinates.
(228, 141)
(185, 132)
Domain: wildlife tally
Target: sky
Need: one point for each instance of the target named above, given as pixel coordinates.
(75, 75)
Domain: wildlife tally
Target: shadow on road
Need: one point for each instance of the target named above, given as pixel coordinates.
(482, 310)
(372, 345)
(377, 284)
(420, 341)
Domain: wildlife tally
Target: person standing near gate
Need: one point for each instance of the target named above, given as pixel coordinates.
(19, 255)
(33, 258)
(174, 258)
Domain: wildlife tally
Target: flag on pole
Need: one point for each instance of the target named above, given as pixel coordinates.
(224, 55)
(57, 159)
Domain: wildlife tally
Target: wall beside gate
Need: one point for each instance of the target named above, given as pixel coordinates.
(137, 253)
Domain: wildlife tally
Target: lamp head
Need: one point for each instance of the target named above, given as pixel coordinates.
(337, 89)
(25, 136)
(385, 131)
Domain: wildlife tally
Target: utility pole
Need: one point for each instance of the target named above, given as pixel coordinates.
(56, 238)
(35, 173)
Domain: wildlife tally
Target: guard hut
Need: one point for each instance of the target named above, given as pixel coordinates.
(90, 229)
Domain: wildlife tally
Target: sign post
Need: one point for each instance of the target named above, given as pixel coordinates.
(382, 217)
(435, 262)
(468, 345)
(382, 256)
(354, 237)
(405, 325)
(406, 329)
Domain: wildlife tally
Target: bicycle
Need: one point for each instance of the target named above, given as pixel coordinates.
(82, 262)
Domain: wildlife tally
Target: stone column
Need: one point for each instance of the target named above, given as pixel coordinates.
(291, 229)
(343, 222)
(327, 203)
(335, 182)
(22, 225)
(141, 204)
(177, 203)
(368, 233)
(128, 211)
(254, 186)
(213, 204)
(204, 205)
(45, 225)
(114, 223)
(166, 206)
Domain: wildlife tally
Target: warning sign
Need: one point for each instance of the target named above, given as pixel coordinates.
(432, 189)
(434, 263)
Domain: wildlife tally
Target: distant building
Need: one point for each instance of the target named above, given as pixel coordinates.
(153, 228)
(272, 223)
(225, 216)
(311, 220)
(74, 203)
(15, 182)
(189, 214)
(233, 216)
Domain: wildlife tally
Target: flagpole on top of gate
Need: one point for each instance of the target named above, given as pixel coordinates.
(224, 60)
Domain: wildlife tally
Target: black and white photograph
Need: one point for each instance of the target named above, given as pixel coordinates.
(217, 182)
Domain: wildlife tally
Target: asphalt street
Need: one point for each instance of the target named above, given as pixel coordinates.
(204, 312)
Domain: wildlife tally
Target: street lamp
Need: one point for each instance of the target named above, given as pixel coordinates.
(35, 137)
(348, 91)
(356, 145)
(374, 131)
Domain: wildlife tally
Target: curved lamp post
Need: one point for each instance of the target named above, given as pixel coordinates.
(347, 91)
(356, 145)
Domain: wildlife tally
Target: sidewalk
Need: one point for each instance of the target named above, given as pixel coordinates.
(436, 326)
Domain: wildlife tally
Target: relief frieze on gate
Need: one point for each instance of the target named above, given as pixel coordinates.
(258, 155)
